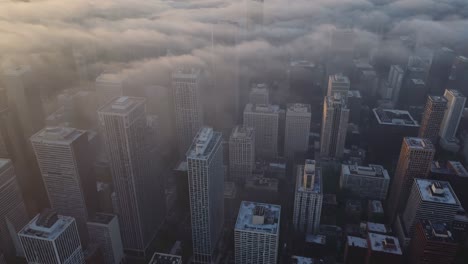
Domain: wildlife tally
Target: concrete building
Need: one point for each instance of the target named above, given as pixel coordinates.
(334, 126)
(65, 161)
(256, 233)
(338, 83)
(458, 79)
(13, 215)
(206, 178)
(308, 198)
(354, 104)
(383, 249)
(265, 121)
(104, 230)
(186, 86)
(432, 118)
(355, 250)
(108, 87)
(161, 258)
(259, 94)
(455, 105)
(432, 244)
(415, 162)
(296, 139)
(439, 71)
(367, 182)
(52, 239)
(395, 81)
(241, 153)
(455, 173)
(139, 194)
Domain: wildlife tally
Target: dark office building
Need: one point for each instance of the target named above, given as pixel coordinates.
(383, 249)
(355, 250)
(439, 71)
(455, 173)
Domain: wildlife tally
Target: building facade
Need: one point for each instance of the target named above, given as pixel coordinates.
(455, 106)
(334, 126)
(241, 153)
(367, 182)
(296, 137)
(104, 230)
(108, 87)
(338, 83)
(259, 94)
(434, 112)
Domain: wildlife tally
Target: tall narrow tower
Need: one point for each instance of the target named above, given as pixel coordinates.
(338, 83)
(188, 106)
(334, 126)
(296, 137)
(241, 153)
(432, 117)
(455, 105)
(206, 181)
(139, 192)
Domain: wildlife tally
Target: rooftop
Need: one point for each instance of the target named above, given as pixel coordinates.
(418, 143)
(309, 178)
(57, 135)
(186, 73)
(449, 168)
(374, 171)
(436, 191)
(102, 218)
(316, 239)
(262, 183)
(384, 243)
(356, 242)
(203, 143)
(122, 105)
(376, 228)
(262, 108)
(259, 87)
(354, 93)
(455, 93)
(229, 190)
(438, 99)
(258, 218)
(418, 81)
(182, 166)
(161, 258)
(302, 63)
(375, 206)
(301, 260)
(242, 132)
(46, 225)
(437, 231)
(394, 117)
(339, 79)
(110, 78)
(298, 108)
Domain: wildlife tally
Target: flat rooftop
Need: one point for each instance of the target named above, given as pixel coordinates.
(316, 239)
(438, 99)
(436, 191)
(203, 143)
(384, 243)
(301, 260)
(110, 78)
(373, 171)
(38, 231)
(258, 218)
(242, 132)
(186, 73)
(376, 206)
(455, 93)
(394, 117)
(418, 81)
(437, 231)
(309, 178)
(353, 241)
(122, 105)
(298, 108)
(418, 143)
(57, 135)
(262, 108)
(449, 168)
(339, 79)
(102, 218)
(302, 63)
(376, 228)
(262, 183)
(162, 258)
(354, 93)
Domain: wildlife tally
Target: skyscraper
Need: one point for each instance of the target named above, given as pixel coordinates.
(104, 230)
(458, 79)
(108, 87)
(415, 162)
(308, 198)
(139, 191)
(440, 69)
(259, 94)
(241, 153)
(187, 105)
(367, 182)
(296, 137)
(256, 233)
(64, 157)
(206, 178)
(455, 105)
(13, 215)
(51, 239)
(265, 120)
(395, 81)
(338, 83)
(334, 126)
(432, 118)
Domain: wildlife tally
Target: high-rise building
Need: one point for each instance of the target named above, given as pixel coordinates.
(139, 191)
(308, 198)
(296, 138)
(415, 162)
(413, 93)
(383, 249)
(13, 215)
(256, 233)
(367, 182)
(338, 83)
(108, 87)
(259, 94)
(241, 153)
(161, 258)
(432, 244)
(354, 104)
(439, 70)
(456, 174)
(104, 230)
(65, 160)
(395, 81)
(265, 121)
(334, 126)
(187, 106)
(429, 200)
(52, 239)
(432, 118)
(206, 181)
(455, 106)
(458, 79)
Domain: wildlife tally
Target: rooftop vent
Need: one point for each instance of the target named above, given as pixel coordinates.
(437, 189)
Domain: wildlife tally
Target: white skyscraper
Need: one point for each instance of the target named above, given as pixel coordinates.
(334, 126)
(187, 106)
(52, 239)
(104, 230)
(241, 153)
(13, 215)
(453, 113)
(296, 137)
(206, 192)
(338, 83)
(308, 198)
(108, 87)
(265, 120)
(256, 233)
(139, 191)
(64, 158)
